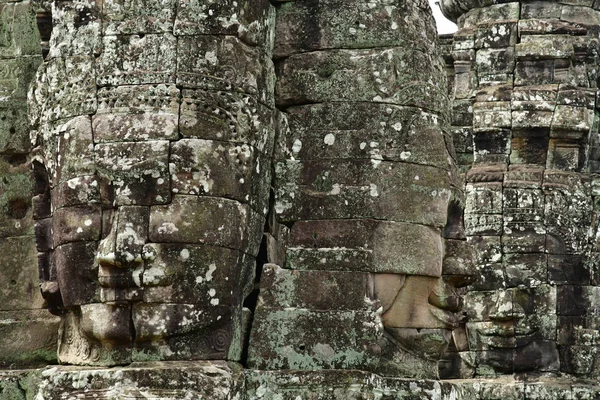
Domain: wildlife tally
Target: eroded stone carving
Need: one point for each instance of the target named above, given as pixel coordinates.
(525, 84)
(366, 196)
(155, 142)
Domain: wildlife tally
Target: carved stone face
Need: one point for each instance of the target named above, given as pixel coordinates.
(156, 180)
(419, 311)
(518, 311)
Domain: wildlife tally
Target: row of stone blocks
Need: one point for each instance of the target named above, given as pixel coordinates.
(219, 380)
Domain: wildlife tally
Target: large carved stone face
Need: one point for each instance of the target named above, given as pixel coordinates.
(420, 311)
(156, 179)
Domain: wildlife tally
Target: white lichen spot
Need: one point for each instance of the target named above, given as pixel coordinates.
(209, 274)
(329, 139)
(167, 228)
(184, 254)
(373, 190)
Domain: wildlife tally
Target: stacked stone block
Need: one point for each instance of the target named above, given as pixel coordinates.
(27, 332)
(525, 96)
(155, 125)
(364, 175)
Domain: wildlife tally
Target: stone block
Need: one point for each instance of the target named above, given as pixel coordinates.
(28, 340)
(252, 25)
(204, 275)
(77, 273)
(491, 276)
(495, 13)
(18, 272)
(294, 338)
(20, 36)
(133, 17)
(79, 24)
(224, 63)
(523, 238)
(75, 156)
(494, 93)
(487, 248)
(580, 360)
(534, 98)
(568, 269)
(17, 187)
(137, 59)
(492, 115)
(166, 331)
(576, 300)
(564, 155)
(216, 380)
(580, 14)
(549, 390)
(534, 72)
(340, 131)
(539, 47)
(314, 290)
(77, 223)
(540, 10)
(14, 136)
(331, 189)
(213, 168)
(136, 113)
(571, 118)
(529, 145)
(579, 97)
(43, 234)
(339, 24)
(525, 269)
(137, 171)
(347, 384)
(207, 220)
(483, 224)
(227, 116)
(82, 190)
(484, 198)
(463, 139)
(365, 245)
(490, 142)
(496, 35)
(64, 88)
(362, 75)
(495, 61)
(532, 119)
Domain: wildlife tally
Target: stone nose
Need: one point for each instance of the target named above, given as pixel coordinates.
(123, 245)
(505, 309)
(459, 266)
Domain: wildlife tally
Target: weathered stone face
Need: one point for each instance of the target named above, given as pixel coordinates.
(152, 221)
(366, 185)
(525, 93)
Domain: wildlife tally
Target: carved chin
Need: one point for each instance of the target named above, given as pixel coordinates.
(426, 343)
(107, 322)
(128, 323)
